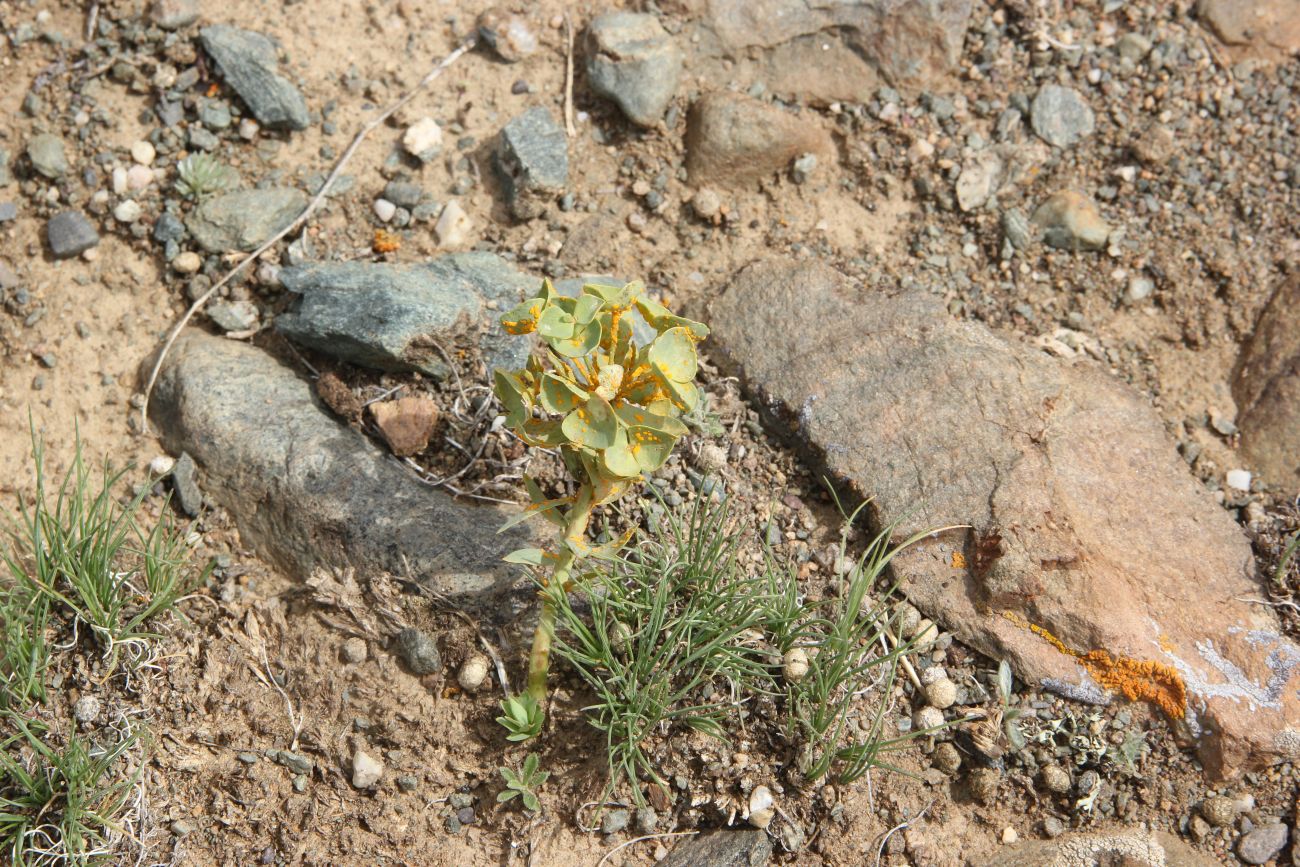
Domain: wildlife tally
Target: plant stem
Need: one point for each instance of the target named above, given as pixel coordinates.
(539, 660)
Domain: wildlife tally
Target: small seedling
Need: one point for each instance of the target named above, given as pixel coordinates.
(201, 175)
(524, 784)
(613, 410)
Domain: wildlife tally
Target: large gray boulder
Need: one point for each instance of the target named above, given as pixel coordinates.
(307, 491)
(1094, 562)
(390, 316)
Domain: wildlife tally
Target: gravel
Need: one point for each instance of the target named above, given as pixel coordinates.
(69, 234)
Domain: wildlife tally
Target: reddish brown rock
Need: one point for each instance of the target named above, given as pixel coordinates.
(1095, 559)
(406, 423)
(1266, 387)
(1266, 30)
(733, 140)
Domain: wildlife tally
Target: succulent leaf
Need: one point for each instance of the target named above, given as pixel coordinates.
(560, 396)
(582, 342)
(592, 425)
(673, 353)
(510, 390)
(522, 319)
(556, 324)
(587, 308)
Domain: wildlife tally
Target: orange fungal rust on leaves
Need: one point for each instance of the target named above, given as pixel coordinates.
(1137, 679)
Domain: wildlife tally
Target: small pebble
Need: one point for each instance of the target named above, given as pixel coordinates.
(706, 204)
(1238, 480)
(928, 718)
(143, 152)
(187, 262)
(794, 664)
(366, 770)
(1056, 779)
(127, 211)
(942, 693)
(161, 465)
(86, 709)
(762, 807)
(472, 673)
(1219, 811)
(1009, 835)
(355, 650)
(615, 821)
(384, 210)
(453, 226)
(419, 651)
(1262, 844)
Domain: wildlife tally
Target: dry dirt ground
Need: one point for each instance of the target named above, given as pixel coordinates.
(257, 665)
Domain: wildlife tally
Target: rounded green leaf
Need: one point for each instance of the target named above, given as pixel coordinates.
(673, 353)
(522, 319)
(555, 324)
(661, 319)
(546, 433)
(684, 395)
(650, 447)
(636, 416)
(592, 425)
(559, 395)
(582, 342)
(587, 308)
(618, 458)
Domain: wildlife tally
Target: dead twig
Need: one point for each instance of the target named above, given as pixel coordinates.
(904, 661)
(301, 219)
(880, 850)
(570, 128)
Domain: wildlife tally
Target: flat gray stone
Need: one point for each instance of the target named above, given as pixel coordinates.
(1262, 843)
(308, 492)
(632, 60)
(723, 847)
(1083, 520)
(244, 219)
(532, 158)
(1061, 116)
(47, 156)
(69, 234)
(387, 316)
(248, 63)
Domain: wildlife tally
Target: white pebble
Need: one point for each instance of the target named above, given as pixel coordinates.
(706, 204)
(86, 709)
(187, 263)
(927, 718)
(1238, 479)
(762, 807)
(933, 673)
(248, 129)
(1009, 835)
(119, 181)
(794, 665)
(423, 138)
(143, 152)
(473, 673)
(384, 210)
(139, 177)
(366, 770)
(161, 465)
(128, 211)
(453, 226)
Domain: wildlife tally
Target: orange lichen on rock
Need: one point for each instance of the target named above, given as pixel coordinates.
(958, 560)
(1137, 679)
(385, 242)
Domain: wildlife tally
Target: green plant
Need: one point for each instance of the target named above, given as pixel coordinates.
(24, 652)
(1009, 715)
(666, 623)
(60, 806)
(612, 409)
(79, 548)
(844, 654)
(1284, 562)
(524, 784)
(201, 175)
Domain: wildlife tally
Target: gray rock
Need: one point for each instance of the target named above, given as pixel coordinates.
(1266, 387)
(248, 63)
(47, 156)
(86, 709)
(733, 140)
(383, 316)
(614, 821)
(1061, 116)
(1071, 221)
(6, 177)
(308, 492)
(826, 52)
(404, 194)
(295, 762)
(533, 159)
(233, 315)
(69, 234)
(632, 60)
(8, 212)
(1133, 47)
(722, 847)
(244, 219)
(168, 228)
(174, 14)
(945, 423)
(186, 486)
(419, 651)
(1262, 843)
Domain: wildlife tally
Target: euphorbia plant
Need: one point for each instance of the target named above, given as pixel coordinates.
(612, 409)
